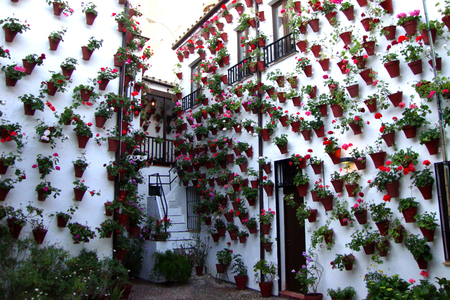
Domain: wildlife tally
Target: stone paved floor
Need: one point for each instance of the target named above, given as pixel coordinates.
(198, 288)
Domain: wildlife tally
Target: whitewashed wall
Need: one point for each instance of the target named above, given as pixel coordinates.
(42, 22)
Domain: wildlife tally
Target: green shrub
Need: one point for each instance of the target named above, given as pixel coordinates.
(173, 266)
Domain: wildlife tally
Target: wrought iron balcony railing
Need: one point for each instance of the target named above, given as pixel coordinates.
(238, 72)
(279, 49)
(158, 152)
(188, 102)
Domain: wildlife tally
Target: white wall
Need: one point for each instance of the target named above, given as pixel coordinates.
(42, 22)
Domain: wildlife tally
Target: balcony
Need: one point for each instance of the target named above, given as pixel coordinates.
(188, 102)
(159, 153)
(238, 72)
(279, 49)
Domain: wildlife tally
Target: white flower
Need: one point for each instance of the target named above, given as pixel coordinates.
(47, 132)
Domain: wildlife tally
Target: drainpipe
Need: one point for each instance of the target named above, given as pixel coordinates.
(439, 101)
(119, 127)
(262, 253)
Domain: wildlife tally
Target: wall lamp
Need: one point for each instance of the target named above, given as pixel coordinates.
(347, 160)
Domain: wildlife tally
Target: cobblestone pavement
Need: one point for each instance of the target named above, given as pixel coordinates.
(204, 287)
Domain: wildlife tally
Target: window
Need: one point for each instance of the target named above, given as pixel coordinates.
(280, 27)
(195, 70)
(242, 51)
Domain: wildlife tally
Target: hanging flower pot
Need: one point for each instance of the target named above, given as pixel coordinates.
(82, 141)
(325, 64)
(29, 67)
(396, 98)
(295, 126)
(90, 18)
(268, 188)
(349, 13)
(316, 50)
(393, 189)
(427, 233)
(306, 134)
(328, 237)
(352, 189)
(308, 71)
(362, 3)
(327, 202)
(336, 156)
(369, 248)
(426, 191)
(78, 194)
(3, 193)
(383, 248)
(410, 27)
(366, 75)
(338, 184)
(371, 105)
(369, 47)
(342, 65)
(86, 53)
(389, 138)
(360, 163)
(260, 65)
(302, 189)
(312, 215)
(356, 128)
(416, 66)
(314, 23)
(433, 146)
(265, 133)
(79, 170)
(393, 68)
(9, 34)
(346, 37)
(320, 132)
(267, 247)
(387, 5)
(410, 131)
(39, 235)
(426, 39)
(67, 72)
(438, 63)
(361, 217)
(9, 81)
(337, 110)
(283, 149)
(378, 158)
(265, 228)
(409, 214)
(353, 90)
(296, 101)
(302, 46)
(317, 168)
(367, 23)
(383, 227)
(389, 32)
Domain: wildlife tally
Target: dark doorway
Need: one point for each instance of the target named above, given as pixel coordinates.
(294, 246)
(294, 233)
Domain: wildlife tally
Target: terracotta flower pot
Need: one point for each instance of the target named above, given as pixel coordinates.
(426, 191)
(416, 67)
(266, 289)
(409, 214)
(346, 37)
(316, 50)
(338, 185)
(410, 27)
(82, 141)
(393, 68)
(86, 53)
(352, 189)
(302, 189)
(314, 24)
(349, 13)
(79, 194)
(369, 248)
(410, 131)
(378, 158)
(9, 34)
(241, 282)
(360, 163)
(265, 228)
(302, 46)
(396, 98)
(389, 32)
(325, 64)
(427, 233)
(361, 217)
(312, 215)
(327, 202)
(268, 189)
(39, 235)
(317, 168)
(90, 18)
(433, 146)
(221, 268)
(383, 227)
(393, 189)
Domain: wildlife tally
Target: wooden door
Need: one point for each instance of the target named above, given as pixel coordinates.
(295, 245)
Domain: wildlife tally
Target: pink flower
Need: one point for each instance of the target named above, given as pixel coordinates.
(308, 113)
(45, 189)
(325, 76)
(431, 94)
(34, 166)
(282, 11)
(57, 168)
(402, 104)
(424, 273)
(412, 281)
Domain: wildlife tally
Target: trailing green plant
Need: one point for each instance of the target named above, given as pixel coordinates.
(427, 220)
(239, 268)
(418, 247)
(310, 274)
(80, 233)
(345, 293)
(93, 43)
(268, 269)
(342, 260)
(36, 103)
(14, 24)
(173, 266)
(224, 256)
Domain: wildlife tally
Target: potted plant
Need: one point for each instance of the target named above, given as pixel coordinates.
(80, 233)
(363, 238)
(430, 138)
(105, 75)
(88, 49)
(46, 164)
(323, 234)
(301, 181)
(384, 286)
(408, 206)
(397, 231)
(404, 158)
(45, 189)
(303, 212)
(160, 229)
(424, 180)
(60, 6)
(12, 26)
(420, 249)
(83, 132)
(343, 261)
(309, 276)
(388, 179)
(427, 223)
(55, 37)
(13, 73)
(413, 117)
(32, 103)
(381, 215)
(240, 269)
(268, 270)
(64, 217)
(32, 60)
(341, 213)
(346, 293)
(91, 12)
(57, 82)
(107, 227)
(224, 257)
(351, 182)
(251, 224)
(265, 218)
(68, 66)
